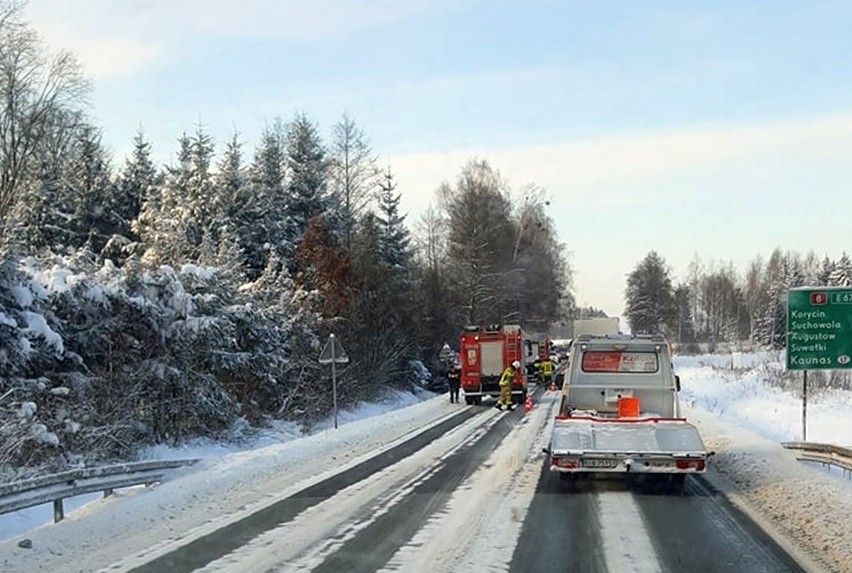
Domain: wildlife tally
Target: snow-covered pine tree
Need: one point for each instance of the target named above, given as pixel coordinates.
(203, 203)
(262, 224)
(307, 189)
(173, 225)
(230, 184)
(826, 269)
(841, 275)
(220, 245)
(160, 222)
(137, 183)
(92, 193)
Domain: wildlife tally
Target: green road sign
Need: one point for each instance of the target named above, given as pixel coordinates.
(819, 328)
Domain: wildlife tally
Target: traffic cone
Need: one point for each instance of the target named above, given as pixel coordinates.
(528, 403)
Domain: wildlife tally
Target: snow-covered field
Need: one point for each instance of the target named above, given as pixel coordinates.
(742, 396)
(741, 418)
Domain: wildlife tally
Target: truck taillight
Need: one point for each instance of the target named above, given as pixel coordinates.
(563, 462)
(698, 465)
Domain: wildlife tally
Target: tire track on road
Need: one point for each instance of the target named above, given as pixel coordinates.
(377, 541)
(700, 530)
(200, 552)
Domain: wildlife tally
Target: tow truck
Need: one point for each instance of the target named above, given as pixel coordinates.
(620, 413)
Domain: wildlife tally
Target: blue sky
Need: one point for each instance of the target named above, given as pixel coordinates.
(722, 128)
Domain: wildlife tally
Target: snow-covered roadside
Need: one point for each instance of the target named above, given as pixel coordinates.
(744, 398)
(743, 419)
(107, 530)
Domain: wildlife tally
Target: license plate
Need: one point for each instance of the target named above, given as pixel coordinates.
(599, 463)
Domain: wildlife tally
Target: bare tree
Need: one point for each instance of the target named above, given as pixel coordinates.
(353, 172)
(35, 89)
(430, 238)
(480, 243)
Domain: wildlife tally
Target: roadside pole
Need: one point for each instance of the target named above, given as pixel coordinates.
(333, 353)
(804, 405)
(334, 384)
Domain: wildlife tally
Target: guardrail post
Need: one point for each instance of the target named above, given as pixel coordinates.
(58, 511)
(107, 492)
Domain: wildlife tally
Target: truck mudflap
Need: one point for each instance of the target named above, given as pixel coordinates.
(616, 445)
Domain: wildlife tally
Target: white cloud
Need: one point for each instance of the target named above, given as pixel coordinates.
(120, 37)
(114, 56)
(611, 166)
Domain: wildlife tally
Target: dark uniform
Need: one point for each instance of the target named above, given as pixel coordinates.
(453, 379)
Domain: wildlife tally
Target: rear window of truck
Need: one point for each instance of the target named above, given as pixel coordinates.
(619, 361)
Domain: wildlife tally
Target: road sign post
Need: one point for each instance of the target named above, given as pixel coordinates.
(333, 353)
(819, 334)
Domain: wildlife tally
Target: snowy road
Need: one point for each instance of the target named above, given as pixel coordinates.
(472, 493)
(434, 486)
(612, 526)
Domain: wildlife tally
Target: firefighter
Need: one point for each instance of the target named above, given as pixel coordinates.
(546, 371)
(506, 386)
(537, 370)
(453, 378)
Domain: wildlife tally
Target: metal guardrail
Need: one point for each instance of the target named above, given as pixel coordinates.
(56, 487)
(826, 454)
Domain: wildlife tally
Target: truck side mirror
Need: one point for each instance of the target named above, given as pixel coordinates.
(677, 382)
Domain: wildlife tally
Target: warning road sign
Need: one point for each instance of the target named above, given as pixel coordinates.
(333, 352)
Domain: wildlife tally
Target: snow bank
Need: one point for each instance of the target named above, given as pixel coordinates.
(229, 472)
(743, 418)
(745, 398)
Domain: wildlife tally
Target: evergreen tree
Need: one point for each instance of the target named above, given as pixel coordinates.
(394, 243)
(175, 224)
(137, 183)
(841, 275)
(650, 301)
(74, 200)
(160, 223)
(826, 269)
(262, 224)
(307, 187)
(202, 203)
(95, 218)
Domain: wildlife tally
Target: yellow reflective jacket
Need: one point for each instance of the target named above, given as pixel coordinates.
(506, 378)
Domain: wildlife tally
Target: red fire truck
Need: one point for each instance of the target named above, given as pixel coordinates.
(484, 353)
